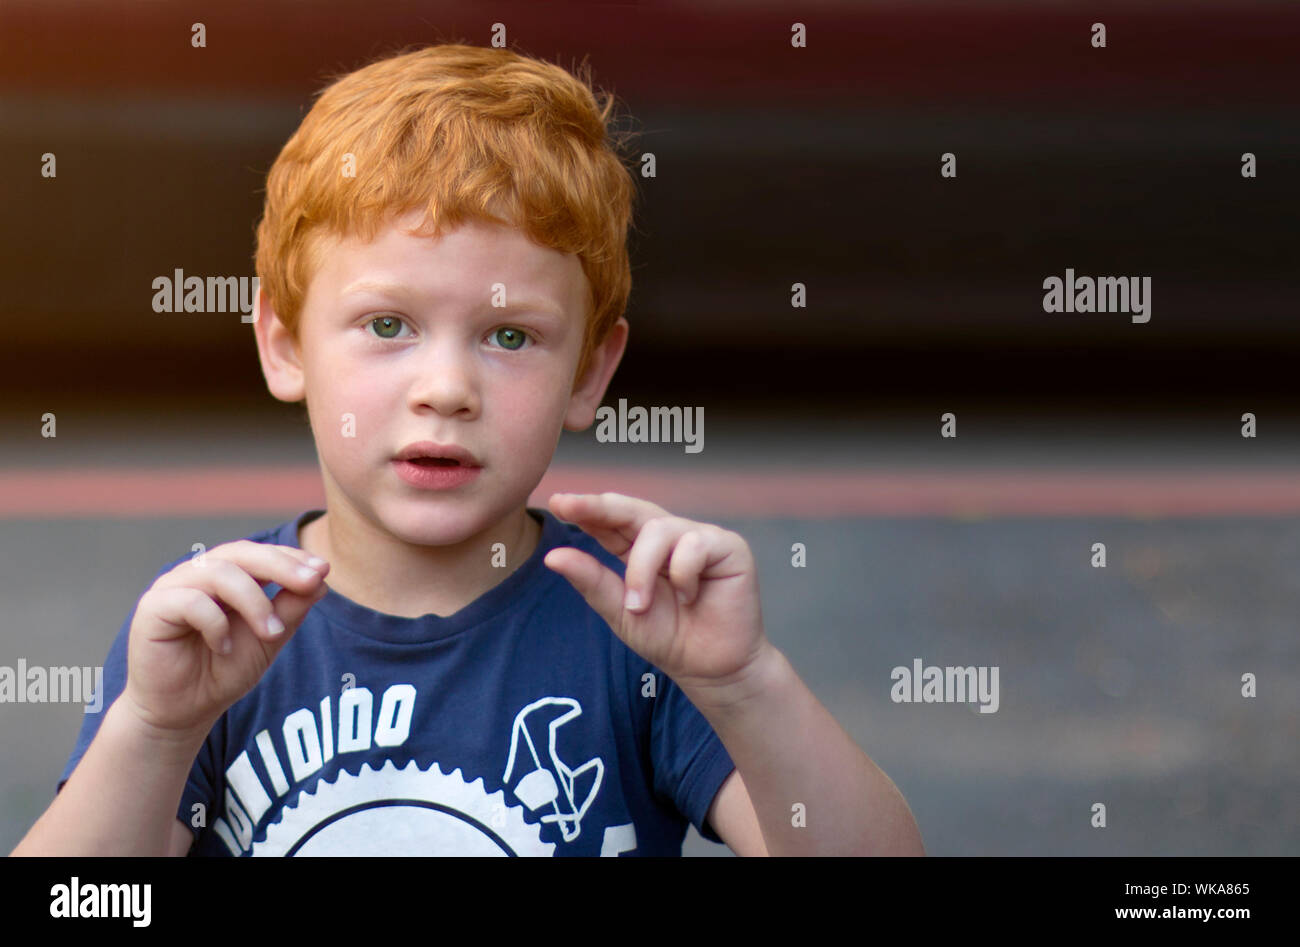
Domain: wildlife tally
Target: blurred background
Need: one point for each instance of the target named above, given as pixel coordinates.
(775, 165)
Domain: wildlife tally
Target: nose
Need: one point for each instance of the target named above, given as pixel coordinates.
(445, 378)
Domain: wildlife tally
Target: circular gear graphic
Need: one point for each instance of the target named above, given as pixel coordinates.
(402, 812)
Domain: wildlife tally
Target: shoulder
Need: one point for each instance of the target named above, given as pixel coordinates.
(282, 533)
(285, 533)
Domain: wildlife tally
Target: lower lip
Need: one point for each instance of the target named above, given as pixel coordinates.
(433, 477)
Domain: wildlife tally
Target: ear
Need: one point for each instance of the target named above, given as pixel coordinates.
(279, 353)
(591, 387)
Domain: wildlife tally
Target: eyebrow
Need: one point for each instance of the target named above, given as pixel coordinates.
(401, 290)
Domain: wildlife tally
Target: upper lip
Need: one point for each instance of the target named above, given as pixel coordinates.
(431, 449)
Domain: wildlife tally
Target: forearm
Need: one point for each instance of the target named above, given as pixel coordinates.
(123, 795)
(789, 750)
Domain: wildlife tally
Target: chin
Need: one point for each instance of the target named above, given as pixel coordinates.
(444, 521)
(439, 526)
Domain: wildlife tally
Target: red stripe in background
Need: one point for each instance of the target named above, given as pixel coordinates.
(970, 493)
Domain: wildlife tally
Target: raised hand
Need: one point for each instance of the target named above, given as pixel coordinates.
(203, 633)
(689, 604)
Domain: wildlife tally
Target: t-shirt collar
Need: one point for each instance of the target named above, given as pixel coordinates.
(354, 618)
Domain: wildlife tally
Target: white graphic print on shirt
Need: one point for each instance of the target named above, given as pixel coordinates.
(412, 811)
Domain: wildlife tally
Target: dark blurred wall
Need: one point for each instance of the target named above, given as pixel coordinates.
(775, 165)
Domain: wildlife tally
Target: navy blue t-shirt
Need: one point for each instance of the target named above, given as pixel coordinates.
(521, 725)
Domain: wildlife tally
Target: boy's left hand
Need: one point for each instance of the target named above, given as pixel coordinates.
(698, 618)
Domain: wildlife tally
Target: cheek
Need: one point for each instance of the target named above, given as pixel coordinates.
(349, 401)
(529, 418)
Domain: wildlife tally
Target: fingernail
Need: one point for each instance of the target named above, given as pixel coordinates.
(316, 562)
(274, 625)
(305, 573)
(227, 646)
(633, 600)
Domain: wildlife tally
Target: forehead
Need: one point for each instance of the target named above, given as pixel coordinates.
(460, 268)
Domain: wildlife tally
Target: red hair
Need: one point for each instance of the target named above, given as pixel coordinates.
(466, 133)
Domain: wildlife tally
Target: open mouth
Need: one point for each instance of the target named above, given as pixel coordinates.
(434, 462)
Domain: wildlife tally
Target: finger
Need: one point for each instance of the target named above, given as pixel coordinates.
(687, 562)
(612, 519)
(596, 583)
(187, 610)
(241, 547)
(568, 506)
(233, 587)
(292, 608)
(307, 558)
(270, 563)
(612, 511)
(264, 563)
(649, 554)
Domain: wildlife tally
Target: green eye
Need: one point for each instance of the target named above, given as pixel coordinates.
(388, 322)
(511, 339)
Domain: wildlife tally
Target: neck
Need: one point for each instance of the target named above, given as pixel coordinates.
(384, 573)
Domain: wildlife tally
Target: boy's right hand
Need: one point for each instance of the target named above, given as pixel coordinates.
(179, 680)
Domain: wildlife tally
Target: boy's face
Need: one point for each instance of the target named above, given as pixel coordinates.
(399, 342)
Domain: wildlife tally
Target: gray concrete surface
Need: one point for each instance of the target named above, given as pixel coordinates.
(1117, 685)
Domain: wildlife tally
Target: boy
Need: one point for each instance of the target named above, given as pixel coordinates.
(444, 273)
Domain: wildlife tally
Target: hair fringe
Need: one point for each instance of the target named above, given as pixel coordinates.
(468, 133)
